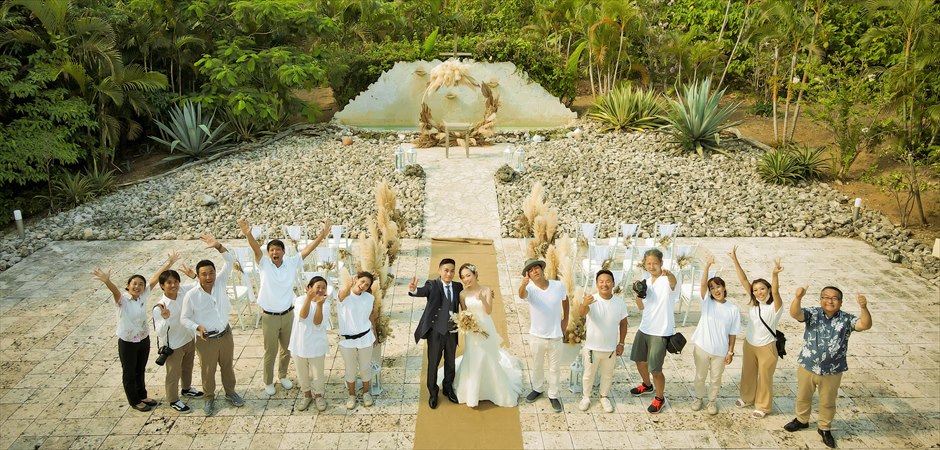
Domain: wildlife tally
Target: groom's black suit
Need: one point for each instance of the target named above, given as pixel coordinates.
(435, 328)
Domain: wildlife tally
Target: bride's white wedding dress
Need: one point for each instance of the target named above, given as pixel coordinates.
(486, 371)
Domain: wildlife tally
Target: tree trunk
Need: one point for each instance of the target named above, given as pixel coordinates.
(776, 84)
(796, 110)
(721, 33)
(786, 102)
(747, 10)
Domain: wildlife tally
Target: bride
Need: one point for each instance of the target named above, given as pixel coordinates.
(485, 371)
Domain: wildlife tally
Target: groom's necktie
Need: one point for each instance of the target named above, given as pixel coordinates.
(447, 293)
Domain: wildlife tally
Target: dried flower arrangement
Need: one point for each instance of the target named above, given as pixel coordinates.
(539, 221)
(379, 248)
(448, 74)
(577, 327)
(466, 322)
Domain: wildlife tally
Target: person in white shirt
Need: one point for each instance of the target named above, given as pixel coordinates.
(275, 298)
(133, 332)
(606, 328)
(759, 361)
(308, 342)
(713, 338)
(657, 325)
(548, 315)
(205, 313)
(356, 317)
(172, 334)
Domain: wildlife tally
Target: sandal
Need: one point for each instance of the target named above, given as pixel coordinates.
(740, 403)
(143, 408)
(150, 402)
(758, 414)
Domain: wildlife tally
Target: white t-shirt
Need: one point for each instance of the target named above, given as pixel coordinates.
(545, 309)
(659, 308)
(353, 316)
(306, 339)
(171, 328)
(277, 283)
(603, 323)
(132, 323)
(718, 322)
(756, 333)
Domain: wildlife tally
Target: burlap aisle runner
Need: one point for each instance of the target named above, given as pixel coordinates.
(456, 425)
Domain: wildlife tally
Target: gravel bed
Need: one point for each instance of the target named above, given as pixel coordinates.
(615, 178)
(299, 180)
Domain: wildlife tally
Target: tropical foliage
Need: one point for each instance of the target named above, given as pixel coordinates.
(189, 133)
(792, 164)
(696, 119)
(629, 108)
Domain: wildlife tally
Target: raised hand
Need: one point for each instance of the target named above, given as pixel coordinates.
(862, 301)
(778, 267)
(210, 241)
(734, 252)
(244, 226)
(103, 276)
(173, 256)
(588, 299)
(187, 271)
(413, 285)
(525, 282)
(709, 260)
(800, 291)
(164, 311)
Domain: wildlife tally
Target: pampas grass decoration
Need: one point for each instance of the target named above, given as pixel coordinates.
(565, 269)
(551, 263)
(551, 223)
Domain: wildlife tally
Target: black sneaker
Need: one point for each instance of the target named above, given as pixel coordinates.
(190, 392)
(532, 396)
(827, 438)
(556, 405)
(180, 406)
(794, 425)
(656, 406)
(642, 389)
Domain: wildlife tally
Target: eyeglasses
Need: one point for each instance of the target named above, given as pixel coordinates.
(830, 299)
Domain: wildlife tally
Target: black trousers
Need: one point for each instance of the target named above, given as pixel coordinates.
(438, 345)
(134, 364)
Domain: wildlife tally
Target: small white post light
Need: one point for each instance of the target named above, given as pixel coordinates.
(399, 159)
(411, 156)
(519, 158)
(857, 209)
(18, 217)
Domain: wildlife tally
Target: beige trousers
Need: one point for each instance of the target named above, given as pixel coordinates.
(606, 361)
(310, 372)
(806, 384)
(276, 331)
(179, 366)
(757, 375)
(221, 352)
(706, 363)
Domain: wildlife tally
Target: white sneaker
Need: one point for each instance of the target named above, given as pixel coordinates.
(351, 402)
(696, 404)
(712, 408)
(584, 404)
(321, 403)
(304, 403)
(608, 406)
(366, 399)
(286, 383)
(269, 389)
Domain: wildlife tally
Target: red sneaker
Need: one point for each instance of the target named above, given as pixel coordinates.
(657, 405)
(641, 389)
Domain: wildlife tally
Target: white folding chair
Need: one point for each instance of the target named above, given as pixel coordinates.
(596, 257)
(246, 260)
(297, 234)
(329, 263)
(682, 256)
(339, 239)
(632, 265)
(242, 293)
(260, 233)
(670, 230)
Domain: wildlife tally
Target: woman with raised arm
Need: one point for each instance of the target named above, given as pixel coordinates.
(133, 332)
(309, 344)
(759, 361)
(713, 338)
(357, 327)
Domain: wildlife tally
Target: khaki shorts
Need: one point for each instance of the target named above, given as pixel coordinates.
(651, 349)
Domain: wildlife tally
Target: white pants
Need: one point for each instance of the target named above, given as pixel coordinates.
(357, 360)
(704, 363)
(607, 362)
(304, 368)
(540, 346)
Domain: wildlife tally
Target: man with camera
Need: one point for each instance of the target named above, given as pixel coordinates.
(205, 312)
(176, 350)
(657, 302)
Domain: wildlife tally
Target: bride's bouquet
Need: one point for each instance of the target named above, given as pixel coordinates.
(467, 323)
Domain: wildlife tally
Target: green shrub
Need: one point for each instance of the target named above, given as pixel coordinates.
(351, 70)
(73, 189)
(543, 66)
(627, 108)
(696, 118)
(190, 133)
(792, 164)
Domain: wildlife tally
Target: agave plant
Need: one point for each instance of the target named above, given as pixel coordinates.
(695, 118)
(190, 133)
(628, 108)
(779, 167)
(73, 189)
(810, 162)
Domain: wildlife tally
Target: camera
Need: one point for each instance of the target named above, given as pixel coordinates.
(213, 333)
(163, 352)
(639, 287)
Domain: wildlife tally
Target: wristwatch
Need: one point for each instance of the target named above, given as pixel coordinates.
(731, 353)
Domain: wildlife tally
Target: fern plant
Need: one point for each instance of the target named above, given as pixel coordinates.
(627, 108)
(696, 118)
(188, 133)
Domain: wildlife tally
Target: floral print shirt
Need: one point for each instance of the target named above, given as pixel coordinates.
(826, 341)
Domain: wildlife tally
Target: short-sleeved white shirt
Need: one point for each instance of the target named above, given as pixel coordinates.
(132, 323)
(353, 316)
(756, 333)
(603, 323)
(277, 283)
(545, 309)
(659, 308)
(170, 331)
(306, 339)
(718, 322)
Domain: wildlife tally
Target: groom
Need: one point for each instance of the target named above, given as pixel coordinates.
(442, 295)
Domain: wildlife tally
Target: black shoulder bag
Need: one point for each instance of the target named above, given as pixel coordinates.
(781, 339)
